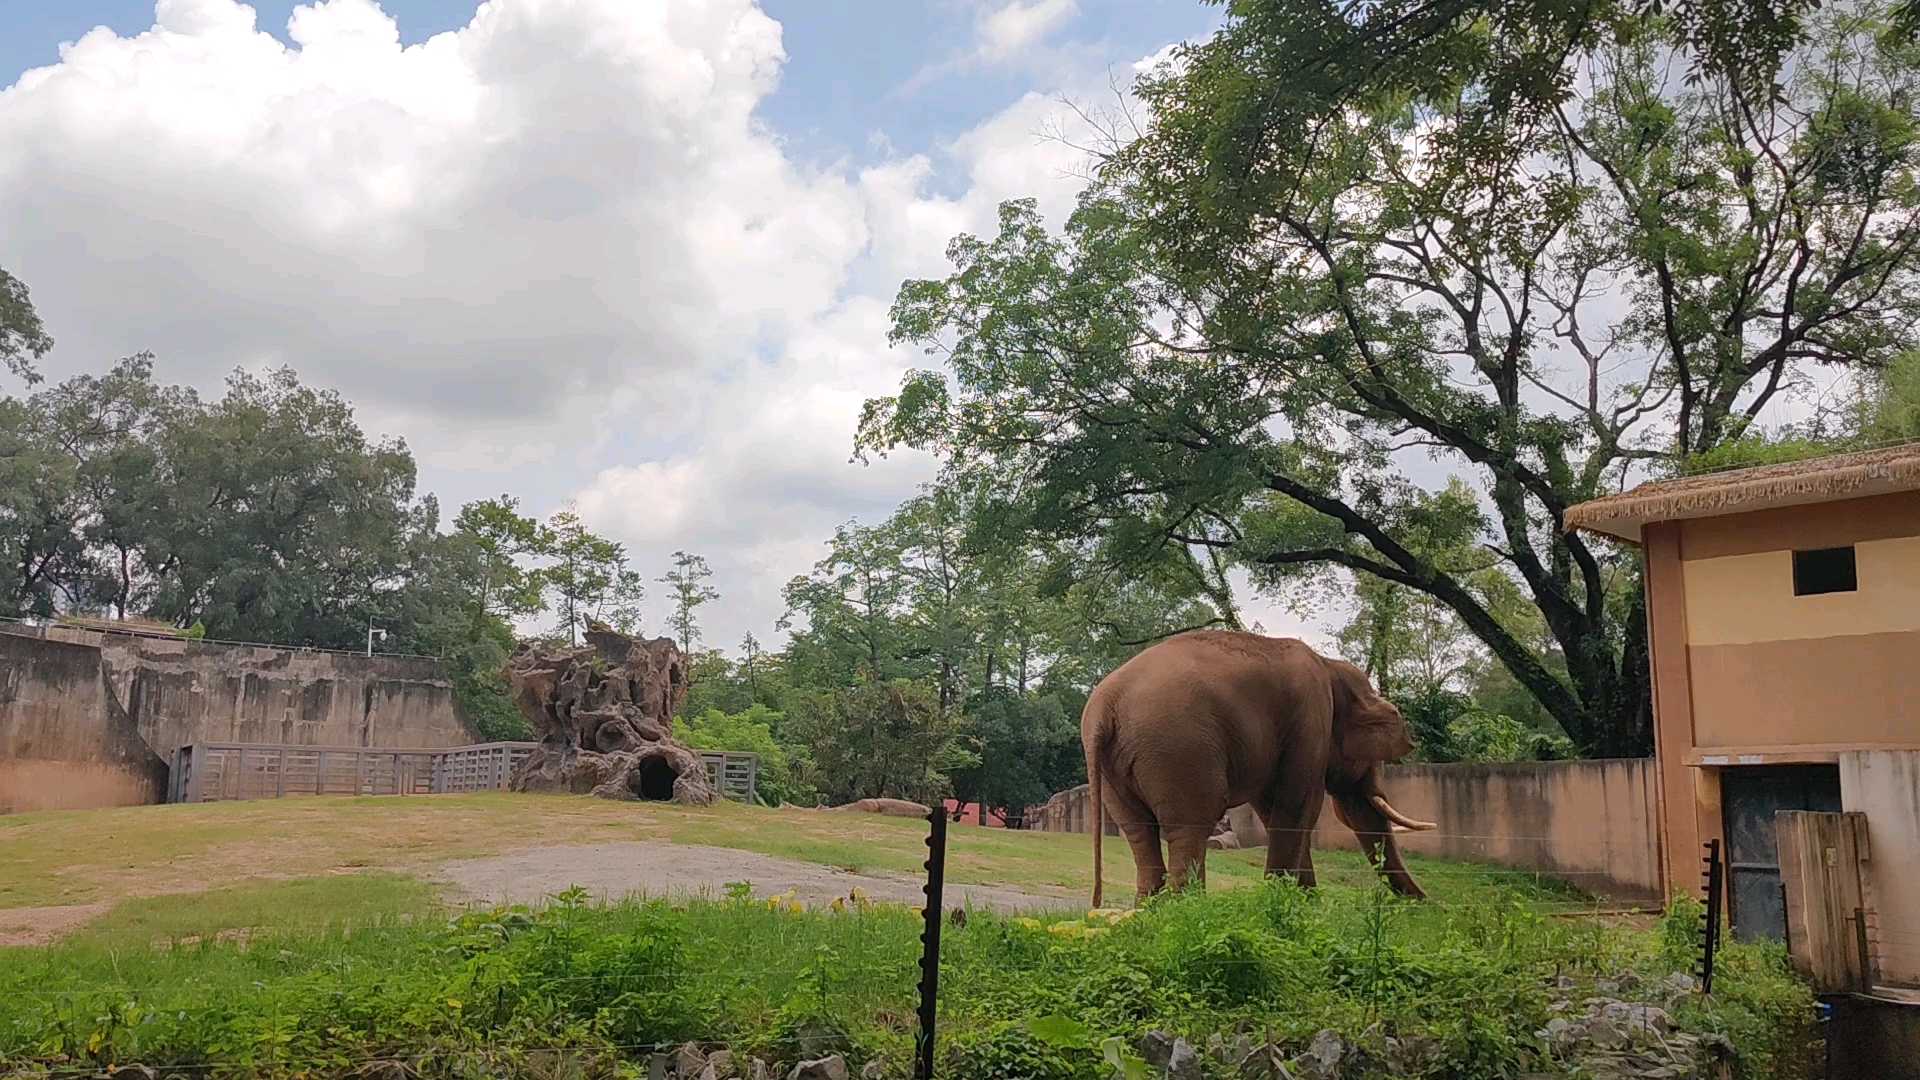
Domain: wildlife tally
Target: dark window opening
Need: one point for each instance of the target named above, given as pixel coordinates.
(1824, 570)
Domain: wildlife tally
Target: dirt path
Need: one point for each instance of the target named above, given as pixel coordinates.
(614, 870)
(40, 925)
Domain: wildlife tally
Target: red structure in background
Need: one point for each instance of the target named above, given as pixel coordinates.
(969, 814)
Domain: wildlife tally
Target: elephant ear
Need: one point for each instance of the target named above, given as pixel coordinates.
(1366, 726)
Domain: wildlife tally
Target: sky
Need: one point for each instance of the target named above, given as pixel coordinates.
(632, 255)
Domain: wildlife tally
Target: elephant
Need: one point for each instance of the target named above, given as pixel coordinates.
(1209, 719)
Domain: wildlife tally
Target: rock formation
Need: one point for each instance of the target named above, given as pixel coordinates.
(604, 714)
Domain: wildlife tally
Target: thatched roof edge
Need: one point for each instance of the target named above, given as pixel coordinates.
(1762, 487)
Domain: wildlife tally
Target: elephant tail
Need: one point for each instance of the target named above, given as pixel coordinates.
(1096, 750)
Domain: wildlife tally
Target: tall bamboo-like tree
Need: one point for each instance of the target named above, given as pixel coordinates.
(688, 589)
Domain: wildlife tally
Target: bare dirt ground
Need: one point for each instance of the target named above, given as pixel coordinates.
(40, 925)
(611, 871)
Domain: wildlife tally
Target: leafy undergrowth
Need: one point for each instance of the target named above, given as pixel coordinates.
(1472, 986)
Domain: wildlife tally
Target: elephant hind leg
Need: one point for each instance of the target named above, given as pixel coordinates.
(1142, 831)
(1149, 869)
(1187, 853)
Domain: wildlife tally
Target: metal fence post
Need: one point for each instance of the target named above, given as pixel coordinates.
(281, 791)
(930, 942)
(1710, 937)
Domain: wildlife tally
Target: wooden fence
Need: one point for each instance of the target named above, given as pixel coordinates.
(206, 772)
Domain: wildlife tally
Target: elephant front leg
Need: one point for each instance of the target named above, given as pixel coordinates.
(1375, 834)
(1398, 878)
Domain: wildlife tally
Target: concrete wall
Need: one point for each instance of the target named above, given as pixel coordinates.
(64, 742)
(1592, 823)
(1885, 786)
(169, 692)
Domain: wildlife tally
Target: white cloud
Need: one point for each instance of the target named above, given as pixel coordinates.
(1013, 28)
(554, 249)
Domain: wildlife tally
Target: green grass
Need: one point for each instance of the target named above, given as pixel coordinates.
(313, 903)
(1471, 970)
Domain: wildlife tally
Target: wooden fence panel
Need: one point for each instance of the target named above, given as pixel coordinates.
(1827, 932)
(205, 772)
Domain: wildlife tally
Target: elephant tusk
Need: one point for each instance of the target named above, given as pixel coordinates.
(1381, 804)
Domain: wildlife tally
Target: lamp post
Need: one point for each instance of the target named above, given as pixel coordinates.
(373, 633)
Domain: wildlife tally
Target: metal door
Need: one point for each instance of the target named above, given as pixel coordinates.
(1749, 797)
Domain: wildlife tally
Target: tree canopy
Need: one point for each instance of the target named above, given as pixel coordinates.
(1549, 254)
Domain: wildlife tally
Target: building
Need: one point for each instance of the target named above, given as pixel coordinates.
(1783, 612)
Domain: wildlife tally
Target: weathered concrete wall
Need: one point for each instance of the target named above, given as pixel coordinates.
(1592, 823)
(170, 692)
(1885, 786)
(64, 743)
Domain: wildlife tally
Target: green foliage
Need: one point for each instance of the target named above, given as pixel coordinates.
(782, 769)
(880, 739)
(687, 582)
(585, 573)
(1451, 726)
(1027, 745)
(1543, 244)
(1064, 997)
(22, 337)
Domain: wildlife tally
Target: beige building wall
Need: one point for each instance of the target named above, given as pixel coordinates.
(1771, 669)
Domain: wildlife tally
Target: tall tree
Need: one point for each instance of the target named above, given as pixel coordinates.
(585, 569)
(688, 589)
(1583, 253)
(23, 339)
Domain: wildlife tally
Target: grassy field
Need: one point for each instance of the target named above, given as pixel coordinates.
(302, 938)
(171, 869)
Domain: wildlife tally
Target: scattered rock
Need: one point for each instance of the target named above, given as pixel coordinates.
(831, 1067)
(758, 1071)
(1182, 1062)
(688, 1061)
(721, 1062)
(1265, 1062)
(604, 714)
(1323, 1055)
(1410, 1055)
(875, 1069)
(889, 807)
(1156, 1047)
(1229, 1053)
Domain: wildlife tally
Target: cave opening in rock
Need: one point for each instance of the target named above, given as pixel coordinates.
(654, 780)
